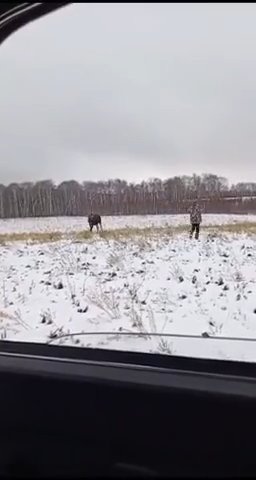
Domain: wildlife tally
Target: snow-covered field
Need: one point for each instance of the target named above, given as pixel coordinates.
(151, 284)
(75, 224)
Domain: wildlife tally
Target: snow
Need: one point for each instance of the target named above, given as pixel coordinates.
(75, 224)
(152, 284)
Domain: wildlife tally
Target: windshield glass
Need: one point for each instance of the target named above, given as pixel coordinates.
(128, 180)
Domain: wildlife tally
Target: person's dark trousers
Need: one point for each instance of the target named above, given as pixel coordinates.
(195, 227)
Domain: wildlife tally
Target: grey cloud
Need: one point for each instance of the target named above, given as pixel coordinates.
(104, 90)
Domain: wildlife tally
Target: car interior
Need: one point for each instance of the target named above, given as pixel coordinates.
(80, 412)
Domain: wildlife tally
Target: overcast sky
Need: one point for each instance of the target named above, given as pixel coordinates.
(97, 91)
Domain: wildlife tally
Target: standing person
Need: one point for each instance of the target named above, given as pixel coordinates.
(195, 219)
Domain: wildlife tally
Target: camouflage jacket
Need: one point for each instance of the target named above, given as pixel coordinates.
(195, 214)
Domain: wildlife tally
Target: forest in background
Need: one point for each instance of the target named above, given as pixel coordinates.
(118, 197)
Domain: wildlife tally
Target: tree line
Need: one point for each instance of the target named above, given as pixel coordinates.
(118, 197)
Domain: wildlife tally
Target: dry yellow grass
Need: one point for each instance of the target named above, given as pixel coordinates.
(5, 316)
(31, 237)
(245, 227)
(123, 234)
(151, 232)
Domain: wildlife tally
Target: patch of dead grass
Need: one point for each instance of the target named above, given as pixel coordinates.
(5, 316)
(125, 234)
(31, 237)
(153, 232)
(244, 227)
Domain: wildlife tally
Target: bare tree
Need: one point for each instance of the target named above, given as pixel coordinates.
(117, 197)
